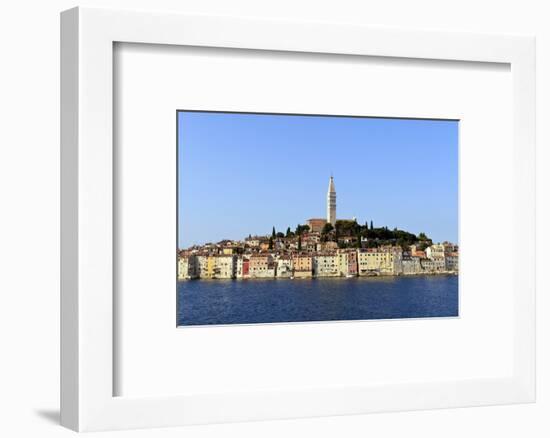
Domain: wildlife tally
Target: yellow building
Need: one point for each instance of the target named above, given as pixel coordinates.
(210, 266)
(347, 262)
(303, 265)
(262, 266)
(377, 261)
(206, 265)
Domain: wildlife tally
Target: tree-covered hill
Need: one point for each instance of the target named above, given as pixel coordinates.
(349, 233)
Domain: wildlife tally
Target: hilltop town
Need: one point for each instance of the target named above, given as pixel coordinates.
(320, 248)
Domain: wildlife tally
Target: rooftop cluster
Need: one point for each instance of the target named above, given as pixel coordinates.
(320, 249)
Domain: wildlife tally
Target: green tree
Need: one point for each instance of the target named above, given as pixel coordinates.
(371, 244)
(273, 234)
(422, 236)
(422, 246)
(271, 243)
(327, 228)
(299, 243)
(288, 232)
(371, 225)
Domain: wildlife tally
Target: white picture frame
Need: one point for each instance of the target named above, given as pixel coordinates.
(87, 317)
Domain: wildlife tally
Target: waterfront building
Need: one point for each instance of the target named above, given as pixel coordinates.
(210, 265)
(224, 266)
(303, 265)
(284, 266)
(363, 259)
(352, 263)
(242, 270)
(433, 265)
(239, 267)
(316, 224)
(262, 266)
(411, 265)
(325, 265)
(246, 268)
(342, 263)
(201, 266)
(397, 254)
(347, 263)
(331, 202)
(439, 264)
(186, 267)
(451, 262)
(378, 261)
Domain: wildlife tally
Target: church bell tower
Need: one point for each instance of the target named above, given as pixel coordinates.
(331, 202)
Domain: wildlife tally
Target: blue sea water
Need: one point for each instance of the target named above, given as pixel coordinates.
(207, 302)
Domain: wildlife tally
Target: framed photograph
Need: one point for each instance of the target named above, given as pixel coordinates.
(331, 266)
(269, 219)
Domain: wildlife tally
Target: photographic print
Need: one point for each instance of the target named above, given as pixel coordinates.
(308, 218)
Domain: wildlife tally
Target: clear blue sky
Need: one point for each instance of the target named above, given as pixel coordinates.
(242, 174)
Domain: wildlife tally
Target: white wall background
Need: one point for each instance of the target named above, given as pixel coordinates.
(29, 212)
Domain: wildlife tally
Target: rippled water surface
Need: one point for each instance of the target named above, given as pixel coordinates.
(203, 302)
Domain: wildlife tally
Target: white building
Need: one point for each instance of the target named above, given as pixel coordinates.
(186, 267)
(239, 267)
(326, 265)
(284, 266)
(451, 262)
(201, 265)
(224, 266)
(435, 251)
(433, 265)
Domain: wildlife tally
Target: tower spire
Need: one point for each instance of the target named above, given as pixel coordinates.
(331, 202)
